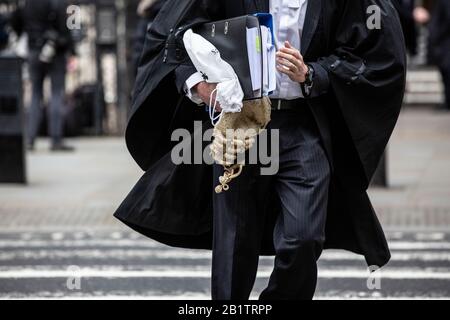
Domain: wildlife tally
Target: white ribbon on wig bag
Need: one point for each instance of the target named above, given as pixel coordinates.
(207, 60)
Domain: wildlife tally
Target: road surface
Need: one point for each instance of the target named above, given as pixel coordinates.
(111, 265)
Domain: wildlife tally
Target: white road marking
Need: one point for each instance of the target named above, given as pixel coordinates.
(170, 272)
(143, 254)
(197, 296)
(430, 236)
(57, 236)
(127, 243)
(117, 235)
(79, 243)
(398, 235)
(404, 245)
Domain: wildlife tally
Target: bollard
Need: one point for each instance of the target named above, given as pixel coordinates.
(12, 140)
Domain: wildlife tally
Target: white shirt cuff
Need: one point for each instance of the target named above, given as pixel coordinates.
(191, 82)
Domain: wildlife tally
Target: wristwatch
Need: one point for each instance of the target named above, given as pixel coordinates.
(307, 86)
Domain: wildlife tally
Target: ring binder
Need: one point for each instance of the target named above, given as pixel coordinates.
(247, 44)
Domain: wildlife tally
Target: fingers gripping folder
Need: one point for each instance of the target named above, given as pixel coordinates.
(239, 55)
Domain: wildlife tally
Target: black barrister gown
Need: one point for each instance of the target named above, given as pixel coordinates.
(356, 117)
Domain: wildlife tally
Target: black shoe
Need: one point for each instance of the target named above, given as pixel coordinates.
(60, 147)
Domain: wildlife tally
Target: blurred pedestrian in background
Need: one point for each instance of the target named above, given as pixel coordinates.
(50, 43)
(411, 16)
(405, 9)
(439, 43)
(3, 33)
(147, 12)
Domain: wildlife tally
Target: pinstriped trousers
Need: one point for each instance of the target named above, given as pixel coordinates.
(301, 190)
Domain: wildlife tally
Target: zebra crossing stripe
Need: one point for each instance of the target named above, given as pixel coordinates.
(206, 297)
(121, 243)
(169, 272)
(126, 254)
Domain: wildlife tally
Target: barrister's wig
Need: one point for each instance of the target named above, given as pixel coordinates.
(235, 134)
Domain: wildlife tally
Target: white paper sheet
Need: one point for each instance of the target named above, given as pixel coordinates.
(264, 40)
(261, 56)
(254, 57)
(269, 64)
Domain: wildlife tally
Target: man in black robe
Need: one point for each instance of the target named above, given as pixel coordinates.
(351, 69)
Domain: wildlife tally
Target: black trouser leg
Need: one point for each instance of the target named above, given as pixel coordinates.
(238, 224)
(239, 215)
(302, 186)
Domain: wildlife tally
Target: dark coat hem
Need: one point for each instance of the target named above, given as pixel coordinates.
(203, 241)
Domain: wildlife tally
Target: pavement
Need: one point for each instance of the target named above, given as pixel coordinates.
(58, 231)
(419, 159)
(73, 190)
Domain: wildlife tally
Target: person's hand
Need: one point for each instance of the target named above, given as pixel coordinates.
(421, 15)
(204, 90)
(290, 62)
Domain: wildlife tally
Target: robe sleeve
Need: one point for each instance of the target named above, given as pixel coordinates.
(366, 72)
(212, 10)
(161, 70)
(182, 74)
(321, 80)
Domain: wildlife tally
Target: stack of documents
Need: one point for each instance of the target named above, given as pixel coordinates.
(261, 56)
